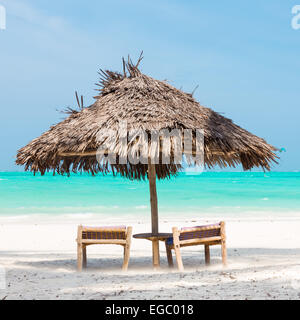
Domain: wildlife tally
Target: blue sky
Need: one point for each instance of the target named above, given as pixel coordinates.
(244, 55)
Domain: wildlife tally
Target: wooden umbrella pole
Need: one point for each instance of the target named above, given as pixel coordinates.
(154, 212)
(153, 198)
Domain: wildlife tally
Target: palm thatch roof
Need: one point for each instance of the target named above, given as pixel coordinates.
(146, 104)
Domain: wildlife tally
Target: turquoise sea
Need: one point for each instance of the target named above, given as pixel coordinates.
(215, 194)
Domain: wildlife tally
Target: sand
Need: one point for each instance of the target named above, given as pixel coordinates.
(38, 259)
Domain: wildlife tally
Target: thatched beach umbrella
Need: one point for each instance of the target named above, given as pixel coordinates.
(146, 105)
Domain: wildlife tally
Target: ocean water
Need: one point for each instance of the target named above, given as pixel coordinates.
(210, 194)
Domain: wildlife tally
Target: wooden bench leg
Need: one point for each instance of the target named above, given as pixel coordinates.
(126, 258)
(127, 249)
(176, 242)
(178, 258)
(224, 253)
(169, 256)
(207, 254)
(84, 260)
(223, 244)
(79, 257)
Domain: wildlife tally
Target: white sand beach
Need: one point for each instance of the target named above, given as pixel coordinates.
(39, 259)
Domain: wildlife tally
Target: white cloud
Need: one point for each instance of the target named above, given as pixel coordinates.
(24, 11)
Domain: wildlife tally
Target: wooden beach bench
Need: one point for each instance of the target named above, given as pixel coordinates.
(208, 235)
(86, 236)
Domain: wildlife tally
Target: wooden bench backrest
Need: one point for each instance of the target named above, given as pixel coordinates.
(196, 235)
(200, 232)
(102, 233)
